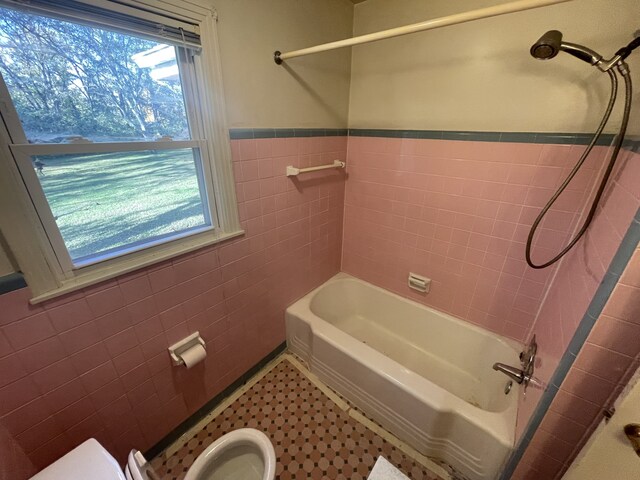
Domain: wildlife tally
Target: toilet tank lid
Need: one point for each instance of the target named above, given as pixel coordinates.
(87, 460)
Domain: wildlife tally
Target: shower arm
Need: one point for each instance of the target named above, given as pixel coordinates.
(594, 58)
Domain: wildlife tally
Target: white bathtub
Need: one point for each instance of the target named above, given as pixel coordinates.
(423, 375)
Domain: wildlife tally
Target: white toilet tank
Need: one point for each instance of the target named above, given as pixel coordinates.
(88, 460)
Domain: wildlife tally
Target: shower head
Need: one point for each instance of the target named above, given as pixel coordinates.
(551, 43)
(547, 46)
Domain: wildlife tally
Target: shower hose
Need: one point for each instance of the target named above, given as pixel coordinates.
(624, 71)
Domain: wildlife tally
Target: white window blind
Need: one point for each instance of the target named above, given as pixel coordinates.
(119, 16)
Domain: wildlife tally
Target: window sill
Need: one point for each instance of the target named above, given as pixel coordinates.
(136, 261)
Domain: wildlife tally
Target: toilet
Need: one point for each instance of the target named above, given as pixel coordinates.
(244, 454)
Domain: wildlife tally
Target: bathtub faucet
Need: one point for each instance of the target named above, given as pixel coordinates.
(514, 373)
(527, 361)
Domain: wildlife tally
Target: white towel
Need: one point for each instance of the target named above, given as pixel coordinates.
(383, 470)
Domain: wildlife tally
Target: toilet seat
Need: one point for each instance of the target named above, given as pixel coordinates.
(247, 447)
(243, 454)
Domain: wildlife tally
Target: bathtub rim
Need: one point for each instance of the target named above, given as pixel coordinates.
(511, 343)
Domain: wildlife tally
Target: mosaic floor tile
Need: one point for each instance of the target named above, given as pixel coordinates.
(312, 437)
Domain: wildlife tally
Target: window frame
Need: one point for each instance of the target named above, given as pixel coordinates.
(26, 220)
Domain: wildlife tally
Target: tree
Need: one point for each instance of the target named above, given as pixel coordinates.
(69, 79)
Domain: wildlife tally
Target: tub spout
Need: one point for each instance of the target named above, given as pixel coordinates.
(513, 373)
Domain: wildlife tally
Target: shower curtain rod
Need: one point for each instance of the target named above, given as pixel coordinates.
(487, 12)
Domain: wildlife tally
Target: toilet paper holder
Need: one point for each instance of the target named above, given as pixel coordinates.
(183, 345)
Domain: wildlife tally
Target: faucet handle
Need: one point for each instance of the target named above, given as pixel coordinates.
(527, 361)
(528, 356)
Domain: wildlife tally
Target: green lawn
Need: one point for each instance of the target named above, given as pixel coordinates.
(106, 201)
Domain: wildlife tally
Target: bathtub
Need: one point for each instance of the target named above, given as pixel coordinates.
(425, 376)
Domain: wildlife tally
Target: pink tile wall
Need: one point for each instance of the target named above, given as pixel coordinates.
(459, 212)
(580, 274)
(608, 359)
(94, 363)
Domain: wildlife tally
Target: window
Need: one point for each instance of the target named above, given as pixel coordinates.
(111, 134)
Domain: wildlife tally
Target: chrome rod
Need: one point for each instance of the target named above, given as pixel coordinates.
(457, 18)
(293, 171)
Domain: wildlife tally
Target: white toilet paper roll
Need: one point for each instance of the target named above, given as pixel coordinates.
(193, 355)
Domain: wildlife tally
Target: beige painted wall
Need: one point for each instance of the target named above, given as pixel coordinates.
(480, 76)
(307, 92)
(6, 263)
(608, 453)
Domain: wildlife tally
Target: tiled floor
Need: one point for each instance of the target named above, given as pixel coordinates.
(312, 436)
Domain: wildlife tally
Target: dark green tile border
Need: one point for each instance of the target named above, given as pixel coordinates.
(620, 260)
(203, 411)
(632, 144)
(503, 137)
(11, 282)
(241, 133)
(245, 133)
